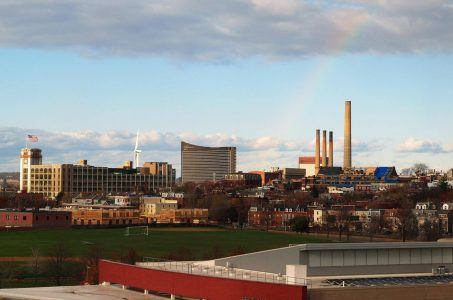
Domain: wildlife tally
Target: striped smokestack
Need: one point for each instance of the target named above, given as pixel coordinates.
(330, 148)
(324, 148)
(317, 150)
(347, 162)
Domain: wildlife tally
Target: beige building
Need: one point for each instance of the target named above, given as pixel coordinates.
(104, 215)
(72, 179)
(200, 163)
(150, 207)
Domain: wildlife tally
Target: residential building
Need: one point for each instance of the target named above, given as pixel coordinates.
(150, 207)
(277, 218)
(103, 215)
(199, 163)
(182, 216)
(247, 179)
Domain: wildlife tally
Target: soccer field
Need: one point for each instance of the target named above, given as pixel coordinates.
(158, 243)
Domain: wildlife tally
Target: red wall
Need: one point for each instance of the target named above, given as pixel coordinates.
(35, 219)
(196, 286)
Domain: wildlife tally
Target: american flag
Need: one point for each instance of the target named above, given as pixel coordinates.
(32, 138)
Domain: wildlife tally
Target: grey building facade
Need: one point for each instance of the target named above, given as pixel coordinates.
(199, 163)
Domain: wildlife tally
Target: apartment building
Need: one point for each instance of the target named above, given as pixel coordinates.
(103, 215)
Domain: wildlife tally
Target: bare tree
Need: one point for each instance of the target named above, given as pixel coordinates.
(374, 226)
(420, 168)
(91, 261)
(35, 263)
(407, 225)
(58, 259)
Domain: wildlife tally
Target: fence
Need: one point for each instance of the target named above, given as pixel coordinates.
(224, 272)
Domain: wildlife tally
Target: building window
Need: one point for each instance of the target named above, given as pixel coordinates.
(24, 218)
(47, 218)
(15, 217)
(7, 217)
(36, 218)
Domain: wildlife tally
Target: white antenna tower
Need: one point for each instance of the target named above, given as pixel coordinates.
(137, 151)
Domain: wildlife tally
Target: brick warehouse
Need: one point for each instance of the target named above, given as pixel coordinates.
(35, 218)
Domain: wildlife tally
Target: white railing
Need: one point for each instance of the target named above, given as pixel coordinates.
(198, 268)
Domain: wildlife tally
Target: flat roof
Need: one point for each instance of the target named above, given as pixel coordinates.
(99, 292)
(376, 245)
(391, 281)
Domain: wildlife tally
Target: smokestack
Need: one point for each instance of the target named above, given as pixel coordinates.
(330, 148)
(347, 162)
(317, 151)
(324, 148)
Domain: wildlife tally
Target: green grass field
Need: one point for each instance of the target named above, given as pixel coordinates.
(157, 244)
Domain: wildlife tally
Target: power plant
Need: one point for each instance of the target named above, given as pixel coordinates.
(347, 160)
(324, 158)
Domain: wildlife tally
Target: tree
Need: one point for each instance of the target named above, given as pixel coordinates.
(420, 168)
(58, 259)
(8, 272)
(374, 226)
(314, 192)
(91, 261)
(407, 225)
(219, 209)
(330, 219)
(59, 199)
(35, 263)
(443, 184)
(299, 224)
(130, 257)
(429, 231)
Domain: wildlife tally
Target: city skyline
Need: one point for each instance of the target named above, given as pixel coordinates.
(251, 75)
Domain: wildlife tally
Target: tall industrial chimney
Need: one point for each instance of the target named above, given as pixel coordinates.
(347, 162)
(330, 148)
(324, 148)
(317, 151)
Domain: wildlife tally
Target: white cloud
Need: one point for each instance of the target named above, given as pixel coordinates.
(412, 145)
(227, 29)
(113, 147)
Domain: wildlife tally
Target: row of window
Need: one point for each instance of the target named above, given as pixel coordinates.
(98, 222)
(37, 218)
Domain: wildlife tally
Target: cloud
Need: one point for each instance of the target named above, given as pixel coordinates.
(223, 30)
(412, 145)
(111, 148)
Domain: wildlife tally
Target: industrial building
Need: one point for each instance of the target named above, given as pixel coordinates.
(199, 163)
(348, 259)
(320, 169)
(43, 218)
(386, 270)
(73, 179)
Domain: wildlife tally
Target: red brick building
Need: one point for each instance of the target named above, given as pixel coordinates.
(35, 218)
(273, 219)
(267, 177)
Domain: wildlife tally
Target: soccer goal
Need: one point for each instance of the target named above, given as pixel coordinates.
(137, 230)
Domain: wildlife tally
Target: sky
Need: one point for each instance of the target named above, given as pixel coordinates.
(261, 75)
